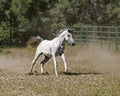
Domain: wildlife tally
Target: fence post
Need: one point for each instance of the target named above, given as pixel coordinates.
(80, 36)
(101, 37)
(87, 36)
(108, 37)
(116, 38)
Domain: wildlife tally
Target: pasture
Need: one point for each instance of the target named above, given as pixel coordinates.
(91, 72)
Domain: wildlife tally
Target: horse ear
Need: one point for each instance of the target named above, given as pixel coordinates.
(70, 30)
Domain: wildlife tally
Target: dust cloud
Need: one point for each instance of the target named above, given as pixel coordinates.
(95, 60)
(84, 60)
(18, 60)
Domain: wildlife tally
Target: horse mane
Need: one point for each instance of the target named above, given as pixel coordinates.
(60, 31)
(35, 40)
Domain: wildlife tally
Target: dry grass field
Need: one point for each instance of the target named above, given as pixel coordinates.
(91, 72)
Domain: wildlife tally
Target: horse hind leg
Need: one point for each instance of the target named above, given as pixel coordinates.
(33, 62)
(42, 63)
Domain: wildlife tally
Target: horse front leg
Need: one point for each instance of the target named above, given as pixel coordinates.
(64, 61)
(55, 64)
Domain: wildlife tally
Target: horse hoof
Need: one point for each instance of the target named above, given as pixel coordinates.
(36, 73)
(66, 71)
(46, 73)
(42, 73)
(30, 73)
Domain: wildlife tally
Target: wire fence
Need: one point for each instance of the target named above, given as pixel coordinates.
(103, 36)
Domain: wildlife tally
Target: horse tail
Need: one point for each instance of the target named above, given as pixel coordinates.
(33, 41)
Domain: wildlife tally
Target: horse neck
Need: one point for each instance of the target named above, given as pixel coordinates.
(61, 38)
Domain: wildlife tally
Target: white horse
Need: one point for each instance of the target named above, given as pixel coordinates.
(53, 48)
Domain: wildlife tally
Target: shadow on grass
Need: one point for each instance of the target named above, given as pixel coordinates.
(80, 73)
(36, 73)
(66, 73)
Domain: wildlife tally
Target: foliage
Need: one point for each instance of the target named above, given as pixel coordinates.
(20, 19)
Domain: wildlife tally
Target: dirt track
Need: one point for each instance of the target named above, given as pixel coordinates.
(92, 72)
(79, 60)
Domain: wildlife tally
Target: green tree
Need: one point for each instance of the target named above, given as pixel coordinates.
(20, 19)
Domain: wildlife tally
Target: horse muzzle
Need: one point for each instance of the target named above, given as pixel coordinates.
(73, 44)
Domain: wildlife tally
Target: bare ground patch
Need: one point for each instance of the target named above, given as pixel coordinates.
(80, 60)
(92, 72)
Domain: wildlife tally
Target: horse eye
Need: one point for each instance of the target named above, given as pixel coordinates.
(68, 35)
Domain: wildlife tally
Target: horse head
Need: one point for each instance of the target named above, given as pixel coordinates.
(69, 37)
